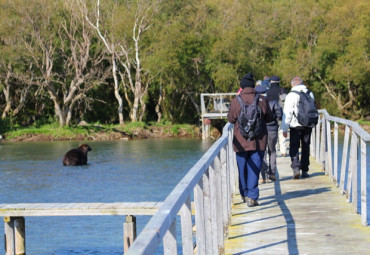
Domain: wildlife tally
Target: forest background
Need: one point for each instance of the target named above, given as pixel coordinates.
(139, 61)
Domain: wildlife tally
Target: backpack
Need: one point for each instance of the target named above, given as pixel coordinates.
(308, 115)
(276, 110)
(250, 119)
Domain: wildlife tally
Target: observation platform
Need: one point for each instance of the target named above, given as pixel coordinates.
(214, 106)
(305, 216)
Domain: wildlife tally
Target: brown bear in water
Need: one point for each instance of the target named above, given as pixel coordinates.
(77, 156)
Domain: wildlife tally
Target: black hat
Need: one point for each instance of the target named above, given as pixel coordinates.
(247, 81)
(275, 79)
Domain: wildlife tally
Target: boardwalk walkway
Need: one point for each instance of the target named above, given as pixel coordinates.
(306, 216)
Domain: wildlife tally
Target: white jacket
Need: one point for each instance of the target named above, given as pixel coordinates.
(291, 108)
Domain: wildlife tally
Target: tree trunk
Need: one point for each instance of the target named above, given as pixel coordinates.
(158, 106)
(7, 96)
(116, 91)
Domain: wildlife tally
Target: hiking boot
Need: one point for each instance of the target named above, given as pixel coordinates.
(251, 202)
(304, 174)
(272, 177)
(296, 174)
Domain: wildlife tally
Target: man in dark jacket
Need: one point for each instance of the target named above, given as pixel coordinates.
(272, 130)
(279, 94)
(249, 153)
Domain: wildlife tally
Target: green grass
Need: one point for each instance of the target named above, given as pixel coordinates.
(129, 128)
(364, 122)
(47, 130)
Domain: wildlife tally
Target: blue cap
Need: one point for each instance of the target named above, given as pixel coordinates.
(261, 89)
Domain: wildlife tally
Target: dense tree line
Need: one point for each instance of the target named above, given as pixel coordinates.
(112, 61)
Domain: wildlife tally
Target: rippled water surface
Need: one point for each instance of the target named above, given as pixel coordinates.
(122, 171)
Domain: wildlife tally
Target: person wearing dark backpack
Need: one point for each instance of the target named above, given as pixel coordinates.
(268, 172)
(299, 125)
(249, 146)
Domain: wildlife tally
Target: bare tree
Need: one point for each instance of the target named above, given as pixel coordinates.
(64, 39)
(111, 48)
(125, 53)
(83, 67)
(343, 105)
(6, 91)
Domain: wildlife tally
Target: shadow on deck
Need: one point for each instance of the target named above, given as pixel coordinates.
(305, 216)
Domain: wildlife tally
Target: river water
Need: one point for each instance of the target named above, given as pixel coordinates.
(120, 171)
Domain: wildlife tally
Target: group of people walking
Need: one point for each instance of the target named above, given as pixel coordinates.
(279, 111)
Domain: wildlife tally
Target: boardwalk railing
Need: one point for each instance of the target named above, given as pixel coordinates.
(326, 153)
(211, 181)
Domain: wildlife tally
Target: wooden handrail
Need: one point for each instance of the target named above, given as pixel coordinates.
(327, 154)
(212, 181)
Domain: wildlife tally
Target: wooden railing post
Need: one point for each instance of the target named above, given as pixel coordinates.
(129, 232)
(219, 219)
(317, 143)
(207, 211)
(214, 210)
(335, 169)
(364, 181)
(329, 151)
(199, 218)
(323, 143)
(9, 241)
(344, 160)
(353, 172)
(169, 240)
(186, 227)
(226, 204)
(20, 235)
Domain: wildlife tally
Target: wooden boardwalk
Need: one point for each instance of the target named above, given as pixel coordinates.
(305, 216)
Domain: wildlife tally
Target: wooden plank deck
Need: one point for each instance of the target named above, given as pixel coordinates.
(305, 216)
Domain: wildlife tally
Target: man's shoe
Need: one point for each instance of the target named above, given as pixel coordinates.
(244, 199)
(304, 174)
(262, 181)
(251, 202)
(272, 177)
(295, 174)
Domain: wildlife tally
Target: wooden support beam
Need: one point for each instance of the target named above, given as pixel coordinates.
(15, 236)
(129, 232)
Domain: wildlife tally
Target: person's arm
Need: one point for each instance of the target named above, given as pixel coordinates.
(232, 115)
(287, 113)
(278, 111)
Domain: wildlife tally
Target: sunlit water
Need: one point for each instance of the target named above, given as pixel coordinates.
(122, 171)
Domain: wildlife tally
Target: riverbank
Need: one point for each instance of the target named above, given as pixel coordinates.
(86, 132)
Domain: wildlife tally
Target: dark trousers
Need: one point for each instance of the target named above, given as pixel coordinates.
(270, 168)
(249, 165)
(300, 137)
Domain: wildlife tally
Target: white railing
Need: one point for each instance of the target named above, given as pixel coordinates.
(327, 154)
(211, 182)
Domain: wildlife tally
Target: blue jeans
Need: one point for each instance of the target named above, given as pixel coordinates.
(249, 165)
